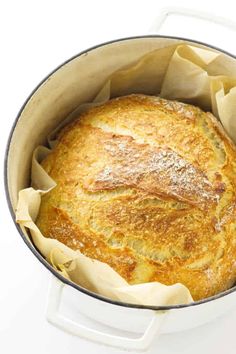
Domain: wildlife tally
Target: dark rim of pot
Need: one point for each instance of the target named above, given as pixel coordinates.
(32, 247)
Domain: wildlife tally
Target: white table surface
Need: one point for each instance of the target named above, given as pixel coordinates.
(36, 36)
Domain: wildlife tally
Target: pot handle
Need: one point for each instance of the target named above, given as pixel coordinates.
(209, 17)
(59, 320)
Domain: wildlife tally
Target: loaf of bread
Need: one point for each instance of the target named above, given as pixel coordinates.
(147, 185)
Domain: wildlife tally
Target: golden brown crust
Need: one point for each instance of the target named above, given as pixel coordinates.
(147, 185)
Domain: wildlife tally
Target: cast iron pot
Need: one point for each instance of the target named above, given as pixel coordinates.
(74, 82)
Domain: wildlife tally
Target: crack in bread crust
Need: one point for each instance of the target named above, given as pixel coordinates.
(147, 185)
(156, 171)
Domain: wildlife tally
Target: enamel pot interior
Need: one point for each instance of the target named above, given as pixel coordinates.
(74, 82)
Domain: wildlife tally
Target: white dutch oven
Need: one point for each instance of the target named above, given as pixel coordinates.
(77, 81)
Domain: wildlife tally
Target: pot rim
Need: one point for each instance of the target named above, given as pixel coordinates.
(33, 248)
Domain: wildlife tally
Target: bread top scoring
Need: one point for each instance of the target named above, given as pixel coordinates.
(147, 185)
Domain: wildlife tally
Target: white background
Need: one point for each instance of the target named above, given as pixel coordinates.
(35, 37)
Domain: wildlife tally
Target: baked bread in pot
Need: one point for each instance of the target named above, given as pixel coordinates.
(147, 185)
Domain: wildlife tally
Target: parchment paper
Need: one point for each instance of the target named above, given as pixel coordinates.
(187, 73)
